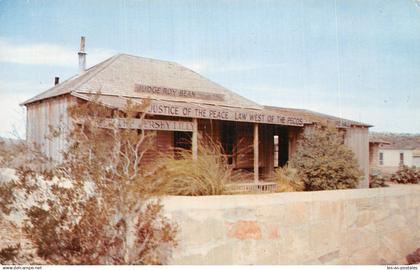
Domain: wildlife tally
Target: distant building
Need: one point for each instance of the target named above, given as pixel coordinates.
(185, 105)
(387, 153)
(374, 146)
(416, 158)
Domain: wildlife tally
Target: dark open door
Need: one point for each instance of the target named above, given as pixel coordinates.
(182, 140)
(283, 145)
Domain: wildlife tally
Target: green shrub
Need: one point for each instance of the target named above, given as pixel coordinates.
(324, 162)
(376, 180)
(287, 180)
(406, 175)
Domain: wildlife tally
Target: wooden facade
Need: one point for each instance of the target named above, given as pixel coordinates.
(46, 125)
(357, 139)
(192, 108)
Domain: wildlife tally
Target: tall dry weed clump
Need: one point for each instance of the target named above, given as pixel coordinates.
(96, 206)
(287, 179)
(209, 174)
(324, 162)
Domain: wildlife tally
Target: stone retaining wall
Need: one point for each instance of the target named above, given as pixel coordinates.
(360, 226)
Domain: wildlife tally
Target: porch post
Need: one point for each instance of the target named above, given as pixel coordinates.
(194, 139)
(256, 158)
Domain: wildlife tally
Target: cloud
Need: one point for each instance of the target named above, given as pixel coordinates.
(47, 54)
(12, 115)
(20, 87)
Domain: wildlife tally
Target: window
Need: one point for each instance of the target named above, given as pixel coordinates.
(381, 158)
(401, 159)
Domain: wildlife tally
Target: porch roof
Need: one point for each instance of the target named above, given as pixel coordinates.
(199, 110)
(316, 117)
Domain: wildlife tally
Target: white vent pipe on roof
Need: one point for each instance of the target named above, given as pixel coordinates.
(82, 56)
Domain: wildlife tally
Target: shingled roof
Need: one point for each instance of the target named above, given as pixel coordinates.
(119, 75)
(397, 140)
(117, 78)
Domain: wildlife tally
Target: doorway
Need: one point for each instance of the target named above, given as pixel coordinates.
(228, 135)
(281, 140)
(182, 140)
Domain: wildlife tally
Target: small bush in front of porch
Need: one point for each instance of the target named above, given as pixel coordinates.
(287, 179)
(324, 162)
(406, 175)
(376, 179)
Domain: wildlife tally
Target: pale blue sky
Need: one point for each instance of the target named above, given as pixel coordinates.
(355, 59)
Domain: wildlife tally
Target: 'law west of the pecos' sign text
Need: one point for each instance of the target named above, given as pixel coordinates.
(241, 115)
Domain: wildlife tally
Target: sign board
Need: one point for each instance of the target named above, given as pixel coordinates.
(152, 124)
(220, 113)
(191, 110)
(146, 124)
(172, 92)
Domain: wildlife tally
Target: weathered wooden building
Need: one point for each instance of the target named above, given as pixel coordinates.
(184, 104)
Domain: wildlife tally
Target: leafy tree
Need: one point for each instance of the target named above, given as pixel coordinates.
(324, 162)
(96, 207)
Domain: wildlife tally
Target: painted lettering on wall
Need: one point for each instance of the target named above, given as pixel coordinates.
(165, 91)
(218, 113)
(152, 124)
(147, 124)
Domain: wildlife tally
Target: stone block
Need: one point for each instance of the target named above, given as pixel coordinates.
(357, 239)
(326, 210)
(324, 238)
(295, 246)
(335, 227)
(366, 255)
(244, 229)
(297, 213)
(332, 257)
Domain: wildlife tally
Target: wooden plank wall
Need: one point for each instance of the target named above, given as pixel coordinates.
(210, 128)
(267, 150)
(163, 144)
(43, 115)
(357, 139)
(244, 142)
(294, 134)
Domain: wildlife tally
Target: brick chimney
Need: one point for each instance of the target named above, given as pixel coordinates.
(82, 56)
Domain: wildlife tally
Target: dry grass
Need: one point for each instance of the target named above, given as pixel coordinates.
(208, 175)
(287, 179)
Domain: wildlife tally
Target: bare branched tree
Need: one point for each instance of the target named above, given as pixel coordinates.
(96, 206)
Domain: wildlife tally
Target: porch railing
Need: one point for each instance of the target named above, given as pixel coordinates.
(261, 187)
